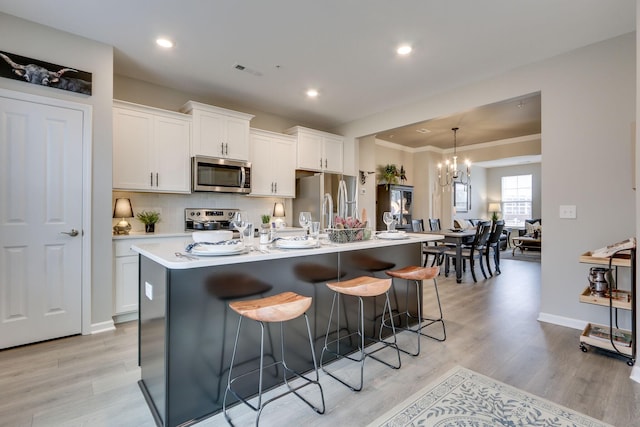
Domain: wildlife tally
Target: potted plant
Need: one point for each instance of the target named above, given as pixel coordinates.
(265, 220)
(149, 219)
(389, 174)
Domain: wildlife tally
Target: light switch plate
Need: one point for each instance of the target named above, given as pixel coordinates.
(148, 290)
(568, 212)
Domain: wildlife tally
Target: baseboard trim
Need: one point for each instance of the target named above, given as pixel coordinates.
(127, 317)
(96, 328)
(562, 321)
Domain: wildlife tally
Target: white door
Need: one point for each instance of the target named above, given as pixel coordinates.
(41, 208)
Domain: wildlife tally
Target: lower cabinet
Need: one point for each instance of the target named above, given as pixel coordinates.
(125, 275)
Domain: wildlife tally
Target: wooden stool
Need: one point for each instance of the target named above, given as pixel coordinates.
(417, 275)
(359, 287)
(277, 308)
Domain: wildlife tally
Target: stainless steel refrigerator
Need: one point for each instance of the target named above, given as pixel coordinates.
(326, 195)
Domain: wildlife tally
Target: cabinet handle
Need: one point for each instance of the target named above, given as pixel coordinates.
(157, 181)
(222, 148)
(226, 148)
(276, 187)
(320, 162)
(151, 178)
(272, 186)
(325, 163)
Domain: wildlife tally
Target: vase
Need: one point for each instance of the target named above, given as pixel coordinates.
(149, 228)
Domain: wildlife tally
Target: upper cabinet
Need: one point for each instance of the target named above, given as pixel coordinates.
(150, 149)
(218, 132)
(273, 163)
(317, 151)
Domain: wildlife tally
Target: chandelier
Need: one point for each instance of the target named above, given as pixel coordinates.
(451, 173)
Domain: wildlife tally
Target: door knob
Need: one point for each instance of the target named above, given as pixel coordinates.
(72, 233)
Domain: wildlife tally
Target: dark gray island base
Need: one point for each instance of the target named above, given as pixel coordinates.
(186, 330)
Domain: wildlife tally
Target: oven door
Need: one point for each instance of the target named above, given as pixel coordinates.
(220, 175)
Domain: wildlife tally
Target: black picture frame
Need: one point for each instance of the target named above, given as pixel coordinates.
(461, 197)
(33, 71)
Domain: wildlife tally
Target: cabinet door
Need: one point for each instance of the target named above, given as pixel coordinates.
(237, 139)
(261, 177)
(332, 154)
(171, 144)
(132, 156)
(310, 152)
(283, 163)
(126, 284)
(208, 134)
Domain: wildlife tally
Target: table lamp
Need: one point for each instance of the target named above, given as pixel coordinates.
(494, 208)
(278, 215)
(122, 210)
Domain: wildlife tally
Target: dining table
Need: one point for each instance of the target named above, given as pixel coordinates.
(459, 238)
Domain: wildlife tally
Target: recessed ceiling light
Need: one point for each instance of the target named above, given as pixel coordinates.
(312, 93)
(166, 43)
(404, 50)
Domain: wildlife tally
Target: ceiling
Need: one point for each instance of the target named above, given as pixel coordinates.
(345, 49)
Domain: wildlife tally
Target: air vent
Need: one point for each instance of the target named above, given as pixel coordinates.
(246, 69)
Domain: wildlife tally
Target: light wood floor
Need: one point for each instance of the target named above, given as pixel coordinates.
(491, 329)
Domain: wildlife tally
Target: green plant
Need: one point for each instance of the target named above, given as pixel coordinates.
(265, 218)
(148, 217)
(389, 174)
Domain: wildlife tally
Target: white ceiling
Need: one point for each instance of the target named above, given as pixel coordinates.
(344, 48)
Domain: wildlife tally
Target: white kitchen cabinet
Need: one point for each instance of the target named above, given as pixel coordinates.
(317, 150)
(125, 273)
(150, 149)
(218, 132)
(273, 164)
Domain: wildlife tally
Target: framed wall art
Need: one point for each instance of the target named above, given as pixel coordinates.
(460, 197)
(42, 73)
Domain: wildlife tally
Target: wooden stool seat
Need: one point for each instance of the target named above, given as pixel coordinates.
(363, 286)
(415, 273)
(276, 308)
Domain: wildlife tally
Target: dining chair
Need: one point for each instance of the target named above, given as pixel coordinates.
(429, 248)
(473, 251)
(494, 243)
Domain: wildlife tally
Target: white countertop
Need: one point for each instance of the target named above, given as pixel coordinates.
(164, 253)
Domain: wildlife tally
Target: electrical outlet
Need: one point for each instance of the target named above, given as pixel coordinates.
(148, 290)
(568, 212)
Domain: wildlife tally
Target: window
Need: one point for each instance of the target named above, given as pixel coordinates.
(516, 199)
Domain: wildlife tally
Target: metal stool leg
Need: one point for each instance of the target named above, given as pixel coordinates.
(363, 354)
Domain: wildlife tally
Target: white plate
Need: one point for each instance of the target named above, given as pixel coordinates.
(296, 244)
(215, 250)
(212, 236)
(392, 236)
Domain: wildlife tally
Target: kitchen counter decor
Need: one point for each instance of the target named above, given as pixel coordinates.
(149, 219)
(348, 230)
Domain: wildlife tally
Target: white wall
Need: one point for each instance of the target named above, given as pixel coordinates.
(588, 104)
(39, 42)
(494, 184)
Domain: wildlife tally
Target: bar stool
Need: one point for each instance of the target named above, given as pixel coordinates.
(417, 275)
(359, 287)
(277, 308)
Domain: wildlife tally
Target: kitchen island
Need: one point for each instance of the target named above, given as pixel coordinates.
(186, 330)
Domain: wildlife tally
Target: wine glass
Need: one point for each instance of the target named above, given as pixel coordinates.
(305, 221)
(387, 218)
(240, 222)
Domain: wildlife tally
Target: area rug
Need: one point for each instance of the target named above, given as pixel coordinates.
(463, 398)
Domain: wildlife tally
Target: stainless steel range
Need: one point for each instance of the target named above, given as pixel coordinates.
(208, 219)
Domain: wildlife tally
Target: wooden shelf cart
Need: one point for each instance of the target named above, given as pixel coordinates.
(611, 337)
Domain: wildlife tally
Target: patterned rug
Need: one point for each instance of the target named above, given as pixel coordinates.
(464, 398)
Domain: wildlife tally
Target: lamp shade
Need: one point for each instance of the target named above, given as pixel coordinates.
(495, 207)
(123, 209)
(278, 210)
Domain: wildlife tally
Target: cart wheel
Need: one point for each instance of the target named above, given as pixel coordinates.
(583, 348)
(631, 362)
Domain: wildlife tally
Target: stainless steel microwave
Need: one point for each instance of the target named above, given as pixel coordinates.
(220, 175)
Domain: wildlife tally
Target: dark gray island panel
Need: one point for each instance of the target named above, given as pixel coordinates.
(187, 330)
